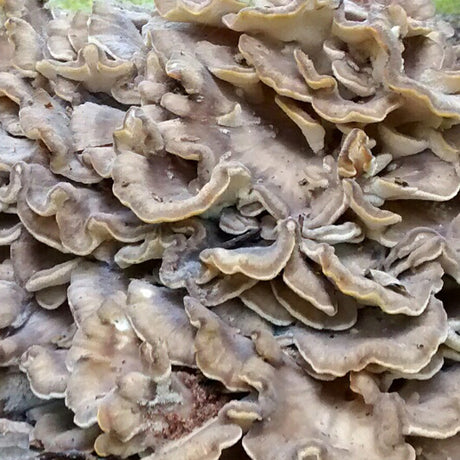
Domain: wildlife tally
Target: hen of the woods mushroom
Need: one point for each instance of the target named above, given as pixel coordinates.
(230, 229)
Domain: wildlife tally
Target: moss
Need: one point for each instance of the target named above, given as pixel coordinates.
(86, 4)
(443, 6)
(448, 6)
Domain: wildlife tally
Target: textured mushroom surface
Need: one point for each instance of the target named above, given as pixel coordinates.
(230, 230)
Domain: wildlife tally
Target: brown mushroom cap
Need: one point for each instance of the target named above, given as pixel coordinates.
(148, 304)
(369, 342)
(205, 225)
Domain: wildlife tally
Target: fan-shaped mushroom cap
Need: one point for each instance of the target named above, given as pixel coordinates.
(432, 407)
(207, 11)
(417, 177)
(226, 64)
(58, 44)
(338, 427)
(40, 328)
(237, 315)
(45, 118)
(206, 443)
(38, 266)
(93, 125)
(221, 353)
(104, 347)
(46, 371)
(436, 449)
(157, 314)
(311, 128)
(262, 263)
(307, 23)
(82, 217)
(28, 45)
(18, 149)
(9, 117)
(137, 180)
(304, 281)
(261, 299)
(114, 32)
(56, 432)
(307, 313)
(274, 67)
(92, 68)
(14, 439)
(369, 341)
(369, 288)
(13, 303)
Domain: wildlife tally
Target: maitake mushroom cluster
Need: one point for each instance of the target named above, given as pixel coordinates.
(230, 229)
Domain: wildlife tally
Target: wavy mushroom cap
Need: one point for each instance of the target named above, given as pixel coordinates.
(229, 229)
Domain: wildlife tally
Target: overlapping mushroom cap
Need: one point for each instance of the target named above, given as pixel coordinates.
(230, 229)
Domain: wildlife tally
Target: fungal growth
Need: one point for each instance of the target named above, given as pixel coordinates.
(229, 230)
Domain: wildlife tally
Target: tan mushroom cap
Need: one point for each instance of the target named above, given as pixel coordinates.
(262, 263)
(139, 132)
(38, 266)
(28, 45)
(90, 285)
(40, 328)
(56, 432)
(84, 217)
(207, 12)
(9, 117)
(436, 449)
(14, 302)
(92, 68)
(153, 247)
(303, 420)
(365, 284)
(103, 348)
(372, 217)
(348, 232)
(236, 314)
(58, 44)
(18, 149)
(289, 21)
(231, 221)
(429, 371)
(417, 177)
(275, 67)
(52, 297)
(221, 353)
(14, 437)
(149, 305)
(114, 32)
(45, 118)
(408, 347)
(311, 128)
(432, 407)
(14, 87)
(309, 72)
(46, 371)
(136, 179)
(261, 300)
(224, 62)
(220, 289)
(93, 124)
(307, 313)
(207, 443)
(302, 278)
